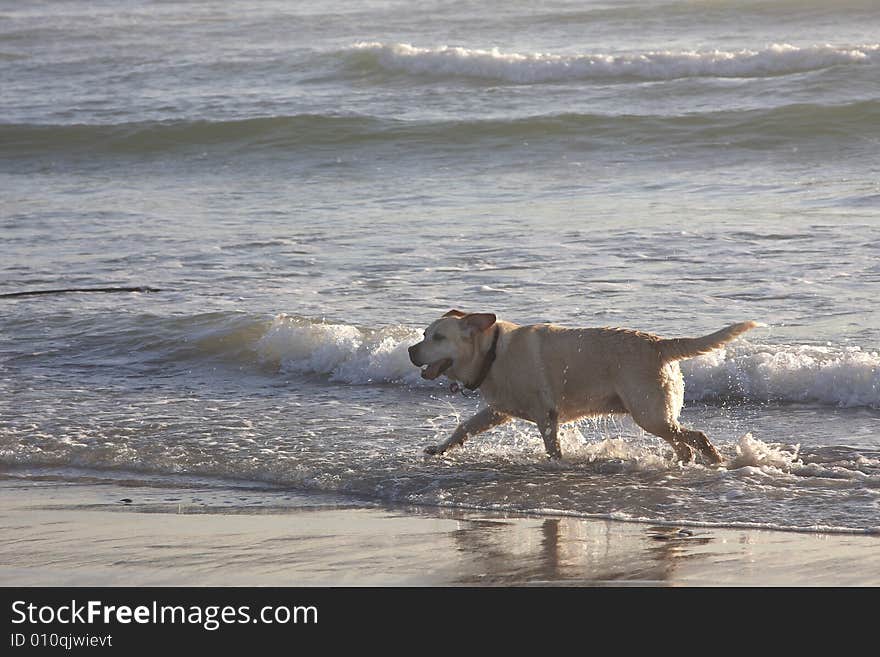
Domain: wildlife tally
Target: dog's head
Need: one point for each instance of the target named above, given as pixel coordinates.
(450, 343)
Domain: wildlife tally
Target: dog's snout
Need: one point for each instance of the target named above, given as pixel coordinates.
(412, 355)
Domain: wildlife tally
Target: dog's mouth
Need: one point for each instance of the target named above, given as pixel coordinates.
(436, 368)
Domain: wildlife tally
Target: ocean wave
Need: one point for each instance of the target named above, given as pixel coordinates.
(839, 376)
(689, 12)
(144, 137)
(745, 371)
(343, 352)
(530, 68)
(348, 354)
(757, 128)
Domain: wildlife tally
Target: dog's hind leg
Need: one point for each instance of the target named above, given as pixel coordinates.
(672, 434)
(681, 439)
(548, 425)
(655, 411)
(482, 421)
(699, 440)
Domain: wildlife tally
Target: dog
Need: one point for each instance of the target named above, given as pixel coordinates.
(549, 375)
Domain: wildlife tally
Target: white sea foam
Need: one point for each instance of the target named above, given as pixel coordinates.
(346, 353)
(839, 376)
(518, 442)
(842, 376)
(754, 453)
(776, 59)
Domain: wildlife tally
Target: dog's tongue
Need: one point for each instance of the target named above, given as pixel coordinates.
(436, 368)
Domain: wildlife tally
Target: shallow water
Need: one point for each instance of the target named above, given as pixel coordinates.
(311, 184)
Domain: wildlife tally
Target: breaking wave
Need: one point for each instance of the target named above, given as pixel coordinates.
(348, 354)
(529, 68)
(746, 371)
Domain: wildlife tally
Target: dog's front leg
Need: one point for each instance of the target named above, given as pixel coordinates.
(482, 421)
(548, 425)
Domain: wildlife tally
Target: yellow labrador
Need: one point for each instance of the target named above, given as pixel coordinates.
(548, 375)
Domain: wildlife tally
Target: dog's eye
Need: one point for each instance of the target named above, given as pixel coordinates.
(437, 336)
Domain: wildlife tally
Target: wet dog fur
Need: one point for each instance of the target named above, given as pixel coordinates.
(549, 375)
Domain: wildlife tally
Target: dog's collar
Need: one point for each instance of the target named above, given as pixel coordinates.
(487, 362)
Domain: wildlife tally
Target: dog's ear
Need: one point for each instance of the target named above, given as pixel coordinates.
(479, 322)
(455, 313)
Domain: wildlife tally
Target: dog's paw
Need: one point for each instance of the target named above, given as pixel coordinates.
(434, 450)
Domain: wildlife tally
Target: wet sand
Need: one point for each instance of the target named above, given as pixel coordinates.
(98, 534)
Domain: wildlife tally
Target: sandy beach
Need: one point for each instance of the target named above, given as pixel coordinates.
(98, 534)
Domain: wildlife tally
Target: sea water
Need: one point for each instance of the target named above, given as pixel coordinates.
(309, 184)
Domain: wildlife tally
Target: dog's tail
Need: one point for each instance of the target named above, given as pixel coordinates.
(681, 348)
